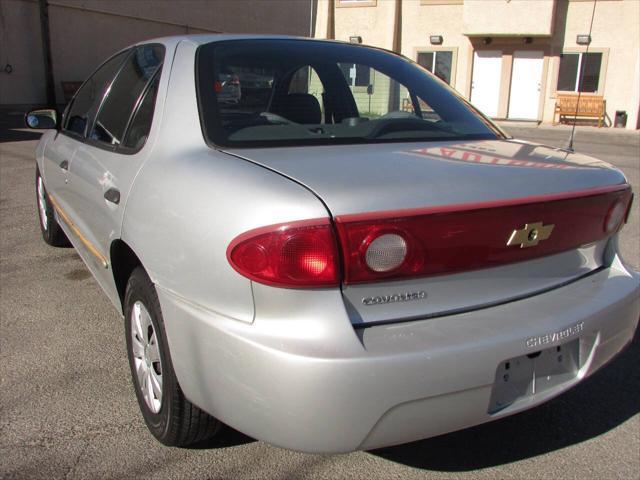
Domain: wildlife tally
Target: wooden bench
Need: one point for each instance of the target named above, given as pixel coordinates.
(591, 106)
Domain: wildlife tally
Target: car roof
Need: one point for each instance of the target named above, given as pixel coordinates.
(200, 39)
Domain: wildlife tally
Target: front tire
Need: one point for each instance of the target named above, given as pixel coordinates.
(52, 234)
(170, 417)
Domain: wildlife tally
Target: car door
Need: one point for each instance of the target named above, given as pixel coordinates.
(59, 153)
(104, 166)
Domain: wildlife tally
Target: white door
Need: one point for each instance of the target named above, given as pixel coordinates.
(526, 78)
(485, 85)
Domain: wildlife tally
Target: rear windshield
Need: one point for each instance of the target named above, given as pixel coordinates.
(272, 92)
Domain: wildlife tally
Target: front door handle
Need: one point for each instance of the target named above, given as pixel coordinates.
(112, 195)
(64, 165)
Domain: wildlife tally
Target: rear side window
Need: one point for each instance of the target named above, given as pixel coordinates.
(90, 95)
(140, 126)
(112, 120)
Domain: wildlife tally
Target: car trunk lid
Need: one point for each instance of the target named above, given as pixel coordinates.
(469, 200)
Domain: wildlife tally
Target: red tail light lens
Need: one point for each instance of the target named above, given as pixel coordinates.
(431, 241)
(297, 254)
(616, 216)
(457, 238)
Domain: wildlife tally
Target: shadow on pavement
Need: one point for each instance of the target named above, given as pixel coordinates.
(601, 403)
(226, 437)
(13, 128)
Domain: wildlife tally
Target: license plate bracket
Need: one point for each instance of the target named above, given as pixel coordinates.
(537, 372)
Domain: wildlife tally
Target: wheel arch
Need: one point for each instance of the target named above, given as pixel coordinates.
(123, 262)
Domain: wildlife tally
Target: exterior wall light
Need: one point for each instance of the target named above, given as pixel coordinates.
(527, 40)
(487, 40)
(355, 39)
(583, 39)
(435, 39)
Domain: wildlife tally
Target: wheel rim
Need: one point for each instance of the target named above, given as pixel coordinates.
(42, 204)
(146, 356)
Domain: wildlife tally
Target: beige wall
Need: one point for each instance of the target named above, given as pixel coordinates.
(321, 19)
(375, 24)
(551, 25)
(420, 21)
(21, 47)
(515, 17)
(85, 32)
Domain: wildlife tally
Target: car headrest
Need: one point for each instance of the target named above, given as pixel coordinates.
(299, 108)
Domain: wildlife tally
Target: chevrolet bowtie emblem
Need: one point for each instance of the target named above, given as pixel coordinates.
(530, 235)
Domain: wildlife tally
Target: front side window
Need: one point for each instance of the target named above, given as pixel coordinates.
(298, 92)
(88, 98)
(439, 63)
(113, 117)
(579, 72)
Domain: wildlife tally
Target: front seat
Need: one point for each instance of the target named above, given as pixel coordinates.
(299, 108)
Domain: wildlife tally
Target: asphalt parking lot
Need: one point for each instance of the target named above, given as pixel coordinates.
(67, 408)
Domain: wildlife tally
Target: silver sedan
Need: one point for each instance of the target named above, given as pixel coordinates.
(345, 255)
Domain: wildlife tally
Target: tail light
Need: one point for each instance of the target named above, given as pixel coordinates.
(297, 254)
(385, 252)
(458, 238)
(626, 216)
(431, 241)
(616, 216)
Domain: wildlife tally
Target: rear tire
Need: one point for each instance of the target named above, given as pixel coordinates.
(52, 234)
(170, 417)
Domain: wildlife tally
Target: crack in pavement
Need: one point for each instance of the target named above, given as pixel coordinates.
(47, 442)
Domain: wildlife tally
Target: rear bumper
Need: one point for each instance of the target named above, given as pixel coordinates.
(294, 383)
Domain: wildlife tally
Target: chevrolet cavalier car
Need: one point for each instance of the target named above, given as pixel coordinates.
(347, 256)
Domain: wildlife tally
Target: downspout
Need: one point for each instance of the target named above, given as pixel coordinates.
(397, 28)
(46, 52)
(331, 20)
(394, 87)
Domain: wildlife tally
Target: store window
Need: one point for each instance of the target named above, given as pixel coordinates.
(579, 72)
(439, 63)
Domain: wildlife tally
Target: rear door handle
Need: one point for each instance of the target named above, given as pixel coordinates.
(64, 165)
(112, 195)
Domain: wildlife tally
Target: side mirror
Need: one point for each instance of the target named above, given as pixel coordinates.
(42, 119)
